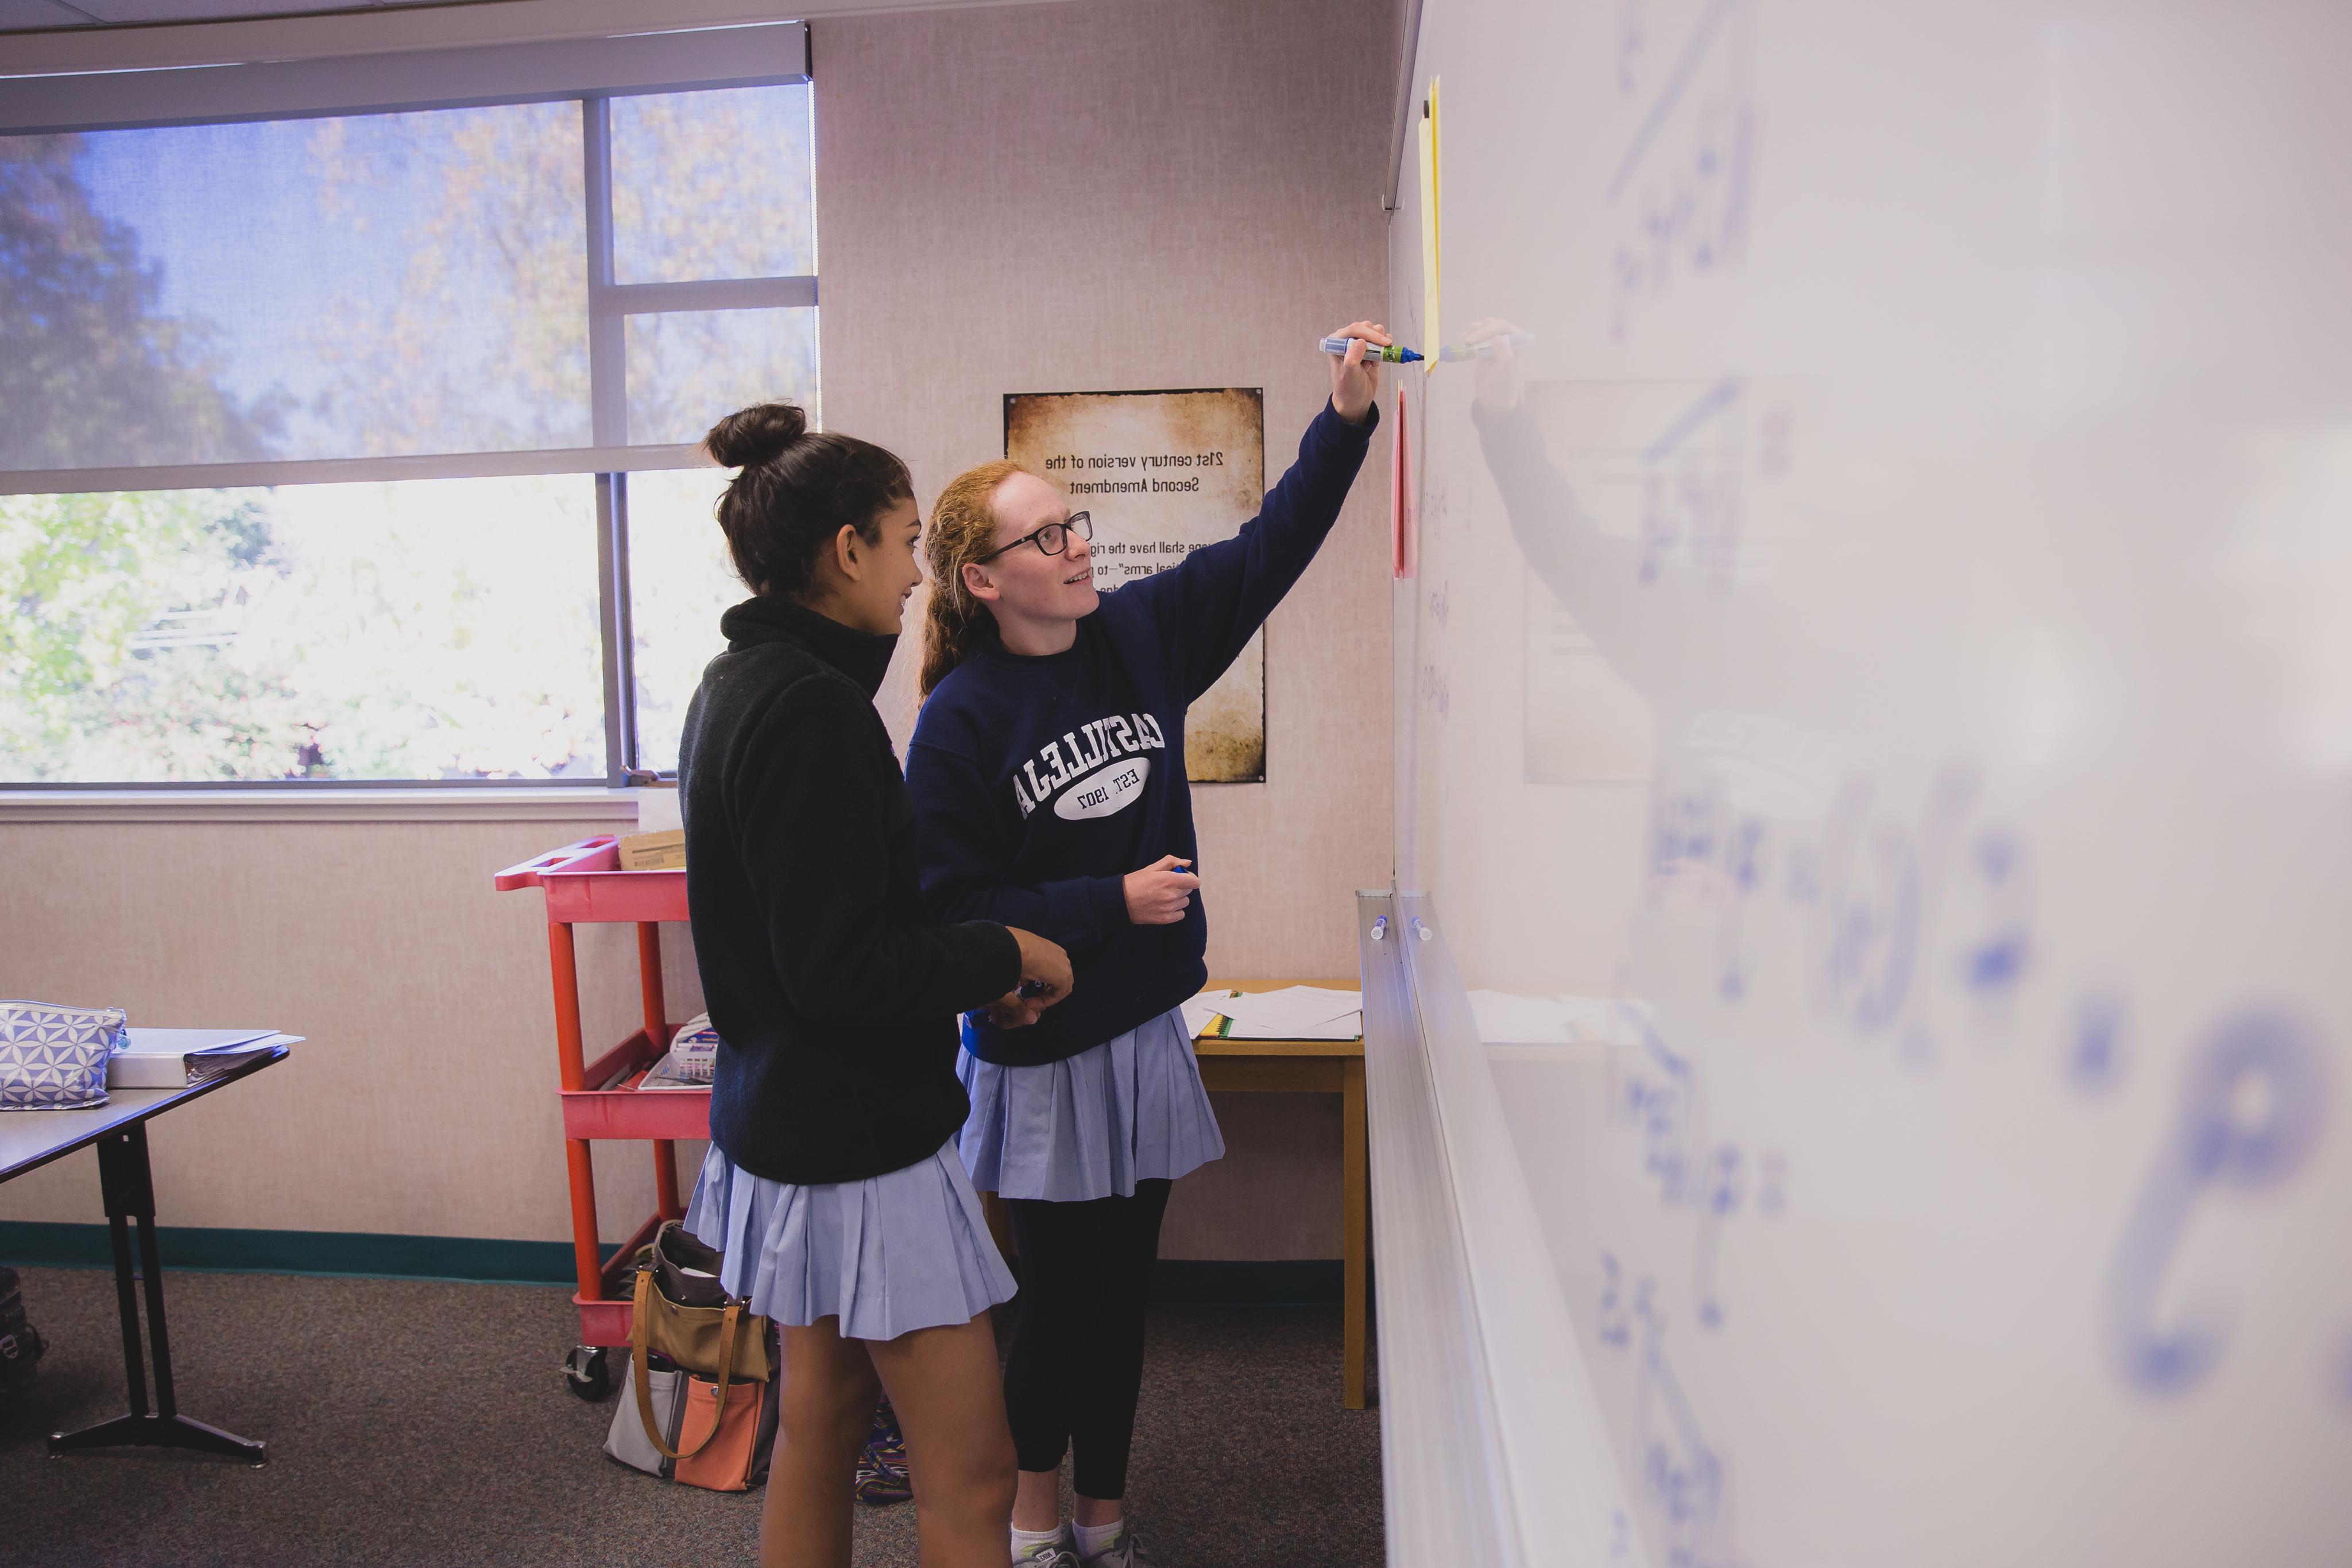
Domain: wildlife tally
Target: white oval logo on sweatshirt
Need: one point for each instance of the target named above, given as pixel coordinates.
(1112, 788)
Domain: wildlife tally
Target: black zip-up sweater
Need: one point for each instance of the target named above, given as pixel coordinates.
(1041, 782)
(834, 994)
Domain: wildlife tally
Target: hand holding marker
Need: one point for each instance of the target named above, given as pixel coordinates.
(1160, 892)
(1398, 354)
(1354, 370)
(1393, 354)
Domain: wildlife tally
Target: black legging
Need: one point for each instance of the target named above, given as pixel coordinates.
(1075, 1366)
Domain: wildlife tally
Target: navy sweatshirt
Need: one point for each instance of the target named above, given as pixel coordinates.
(1039, 783)
(835, 996)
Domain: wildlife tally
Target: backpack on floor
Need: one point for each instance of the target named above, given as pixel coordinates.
(20, 1347)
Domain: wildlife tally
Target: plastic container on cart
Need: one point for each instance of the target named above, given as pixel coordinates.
(583, 885)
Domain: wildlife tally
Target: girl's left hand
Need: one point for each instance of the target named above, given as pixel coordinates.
(1013, 1010)
(1354, 382)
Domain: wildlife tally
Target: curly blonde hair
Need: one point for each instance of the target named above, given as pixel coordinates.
(962, 528)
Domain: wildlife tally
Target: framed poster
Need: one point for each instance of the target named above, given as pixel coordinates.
(1162, 473)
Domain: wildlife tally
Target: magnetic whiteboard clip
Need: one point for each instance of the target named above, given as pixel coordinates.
(1380, 928)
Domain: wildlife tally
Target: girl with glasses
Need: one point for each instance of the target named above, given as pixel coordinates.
(832, 1184)
(1048, 768)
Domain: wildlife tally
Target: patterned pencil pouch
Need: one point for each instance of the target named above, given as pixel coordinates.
(54, 1058)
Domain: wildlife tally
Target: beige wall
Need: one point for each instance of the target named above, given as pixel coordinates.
(422, 1102)
(1127, 194)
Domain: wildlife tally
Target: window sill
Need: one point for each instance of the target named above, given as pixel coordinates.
(269, 804)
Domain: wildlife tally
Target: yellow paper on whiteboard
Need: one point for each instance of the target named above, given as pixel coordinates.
(1432, 254)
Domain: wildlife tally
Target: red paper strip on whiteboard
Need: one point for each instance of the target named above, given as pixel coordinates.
(1404, 556)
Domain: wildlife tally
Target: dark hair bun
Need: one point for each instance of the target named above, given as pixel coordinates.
(756, 435)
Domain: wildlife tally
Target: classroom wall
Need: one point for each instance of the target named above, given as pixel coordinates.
(1130, 194)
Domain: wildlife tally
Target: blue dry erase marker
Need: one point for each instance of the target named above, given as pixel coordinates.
(1395, 354)
(1453, 352)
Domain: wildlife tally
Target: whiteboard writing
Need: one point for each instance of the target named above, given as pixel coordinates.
(2253, 1105)
(1680, 190)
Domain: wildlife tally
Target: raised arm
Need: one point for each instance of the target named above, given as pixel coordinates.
(1206, 609)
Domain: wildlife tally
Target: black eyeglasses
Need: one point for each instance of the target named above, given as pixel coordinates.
(1051, 540)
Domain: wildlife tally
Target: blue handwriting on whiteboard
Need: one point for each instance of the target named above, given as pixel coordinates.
(1875, 890)
(1690, 498)
(1697, 840)
(1680, 1471)
(1725, 1188)
(1615, 1324)
(1631, 36)
(1690, 207)
(2094, 1049)
(1744, 862)
(1660, 1092)
(2253, 1100)
(2000, 872)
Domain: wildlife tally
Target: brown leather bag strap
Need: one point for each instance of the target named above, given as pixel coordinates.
(730, 1326)
(638, 1319)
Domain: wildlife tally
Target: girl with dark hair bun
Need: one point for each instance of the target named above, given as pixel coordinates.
(832, 1184)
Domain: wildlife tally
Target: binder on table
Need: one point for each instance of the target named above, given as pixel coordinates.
(176, 1058)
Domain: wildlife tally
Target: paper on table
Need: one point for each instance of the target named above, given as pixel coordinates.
(176, 1058)
(1281, 1014)
(1347, 1026)
(1201, 1010)
(146, 1041)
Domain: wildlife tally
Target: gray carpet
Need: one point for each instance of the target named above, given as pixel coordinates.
(420, 1423)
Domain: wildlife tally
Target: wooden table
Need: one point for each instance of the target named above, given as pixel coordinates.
(1315, 1067)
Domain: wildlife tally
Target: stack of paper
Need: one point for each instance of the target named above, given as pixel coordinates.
(1295, 1012)
(1202, 1011)
(176, 1058)
(668, 1072)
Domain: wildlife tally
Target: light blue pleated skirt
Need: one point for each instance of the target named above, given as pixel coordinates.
(888, 1256)
(1090, 1125)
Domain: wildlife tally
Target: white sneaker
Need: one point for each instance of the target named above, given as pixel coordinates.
(1127, 1552)
(1062, 1551)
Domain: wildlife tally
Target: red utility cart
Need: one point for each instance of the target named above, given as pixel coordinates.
(583, 882)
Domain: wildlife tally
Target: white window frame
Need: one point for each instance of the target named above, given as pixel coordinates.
(590, 71)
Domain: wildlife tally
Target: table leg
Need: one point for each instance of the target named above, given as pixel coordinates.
(128, 1182)
(126, 1293)
(1356, 1223)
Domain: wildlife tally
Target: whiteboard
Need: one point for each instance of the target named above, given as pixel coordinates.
(1885, 652)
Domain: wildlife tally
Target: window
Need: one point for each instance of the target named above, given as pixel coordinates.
(359, 445)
